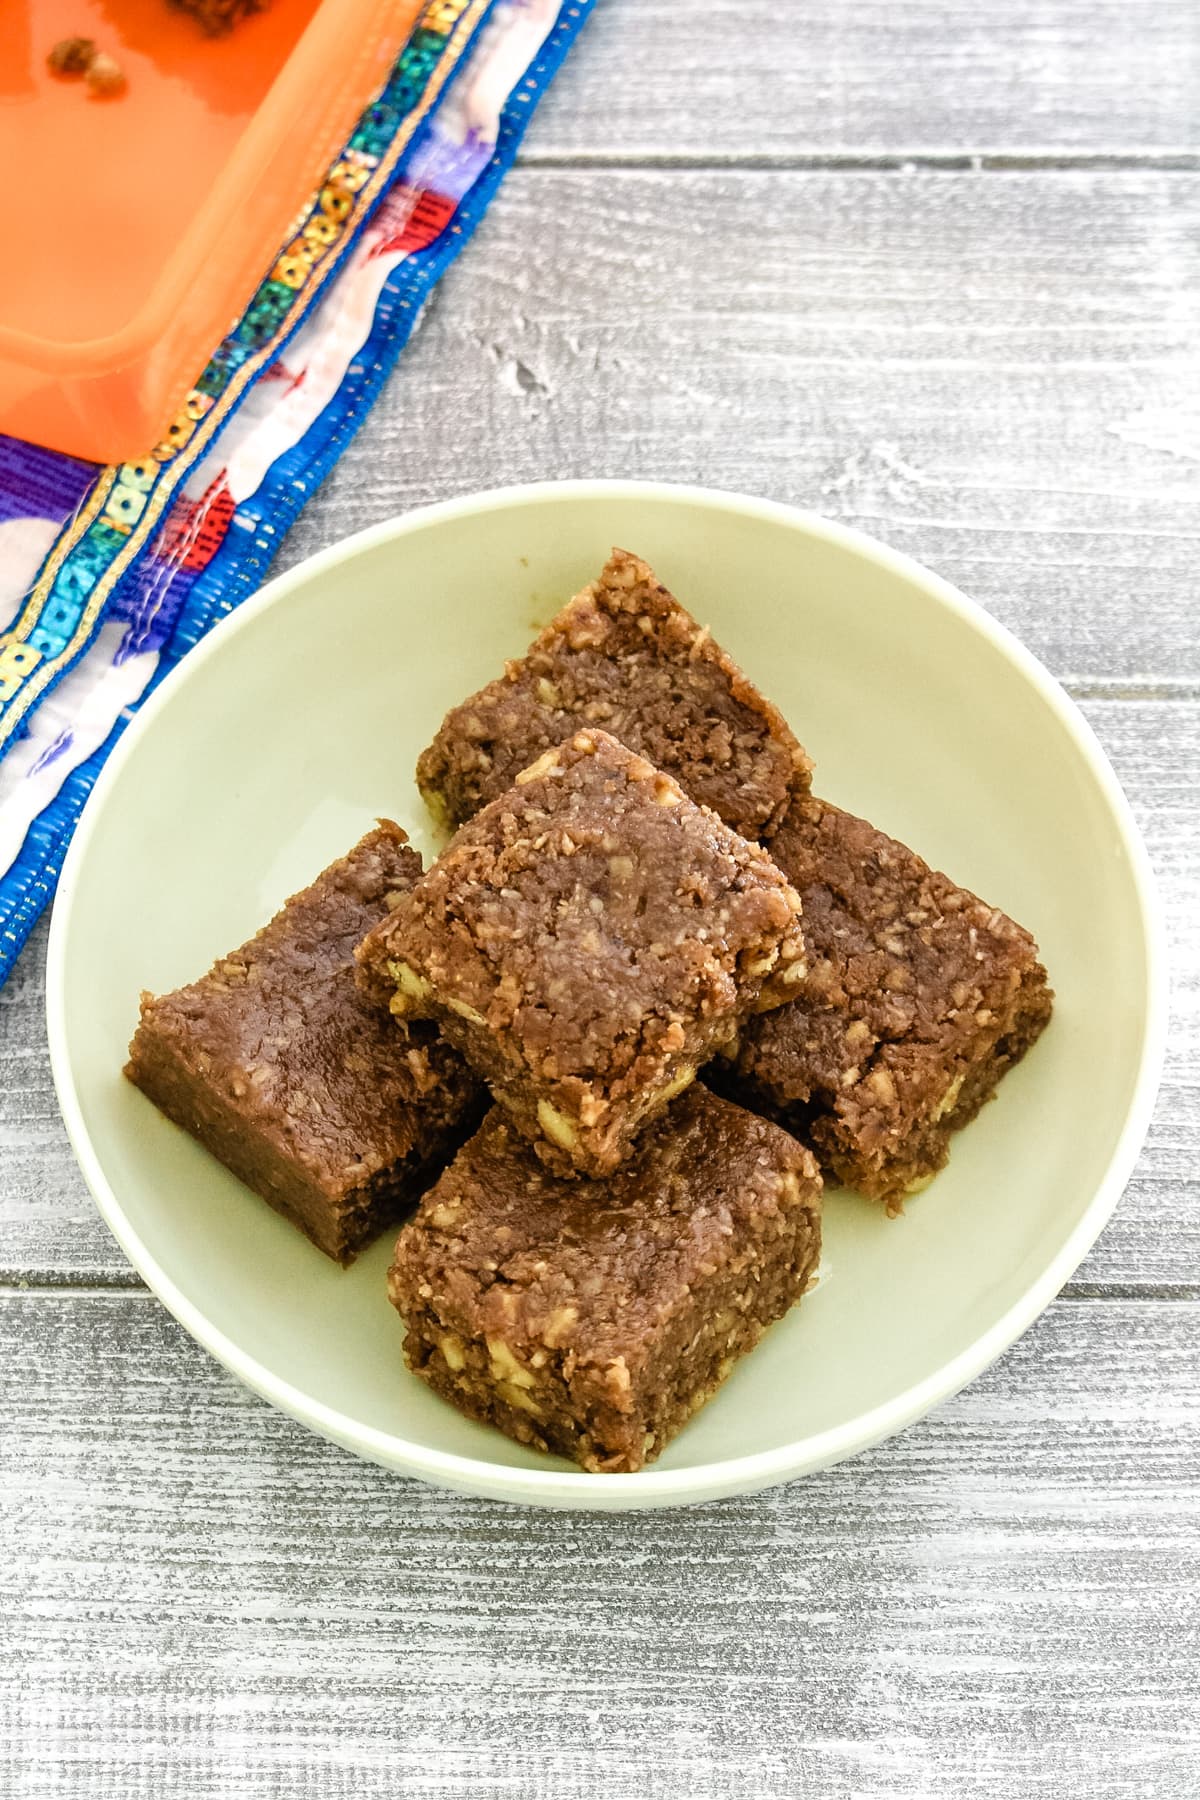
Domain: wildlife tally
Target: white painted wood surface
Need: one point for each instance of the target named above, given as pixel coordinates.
(214, 1603)
(949, 78)
(933, 269)
(997, 372)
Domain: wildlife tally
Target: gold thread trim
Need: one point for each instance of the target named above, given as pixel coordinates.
(44, 673)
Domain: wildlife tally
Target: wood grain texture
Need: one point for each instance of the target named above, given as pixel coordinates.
(214, 1603)
(996, 373)
(957, 304)
(717, 77)
(50, 1232)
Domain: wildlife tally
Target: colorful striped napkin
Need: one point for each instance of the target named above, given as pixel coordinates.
(109, 575)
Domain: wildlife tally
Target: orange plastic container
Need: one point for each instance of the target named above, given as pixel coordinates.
(137, 227)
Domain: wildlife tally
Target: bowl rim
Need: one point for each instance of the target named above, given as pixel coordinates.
(563, 1487)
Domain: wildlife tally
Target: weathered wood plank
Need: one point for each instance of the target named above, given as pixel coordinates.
(211, 1602)
(716, 77)
(49, 1230)
(997, 374)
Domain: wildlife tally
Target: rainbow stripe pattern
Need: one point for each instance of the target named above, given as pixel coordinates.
(108, 576)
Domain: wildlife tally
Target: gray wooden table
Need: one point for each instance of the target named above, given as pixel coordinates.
(934, 269)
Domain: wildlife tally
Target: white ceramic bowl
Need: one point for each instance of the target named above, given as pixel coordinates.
(300, 719)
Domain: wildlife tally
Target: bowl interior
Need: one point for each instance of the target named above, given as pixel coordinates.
(301, 721)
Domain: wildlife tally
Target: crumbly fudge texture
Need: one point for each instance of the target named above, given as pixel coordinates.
(282, 1068)
(587, 941)
(595, 1318)
(624, 655)
(917, 998)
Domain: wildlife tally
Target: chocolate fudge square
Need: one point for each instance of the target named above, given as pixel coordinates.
(917, 998)
(594, 1318)
(587, 941)
(281, 1067)
(626, 656)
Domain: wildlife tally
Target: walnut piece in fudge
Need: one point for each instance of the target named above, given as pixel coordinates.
(282, 1068)
(623, 655)
(594, 1318)
(917, 999)
(587, 941)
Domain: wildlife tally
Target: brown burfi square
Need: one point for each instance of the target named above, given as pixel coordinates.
(626, 656)
(594, 1318)
(587, 941)
(917, 998)
(281, 1067)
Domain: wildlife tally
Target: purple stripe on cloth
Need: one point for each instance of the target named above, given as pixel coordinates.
(40, 484)
(453, 169)
(52, 752)
(215, 541)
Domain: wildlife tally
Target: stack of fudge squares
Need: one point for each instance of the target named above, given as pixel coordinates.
(609, 1042)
